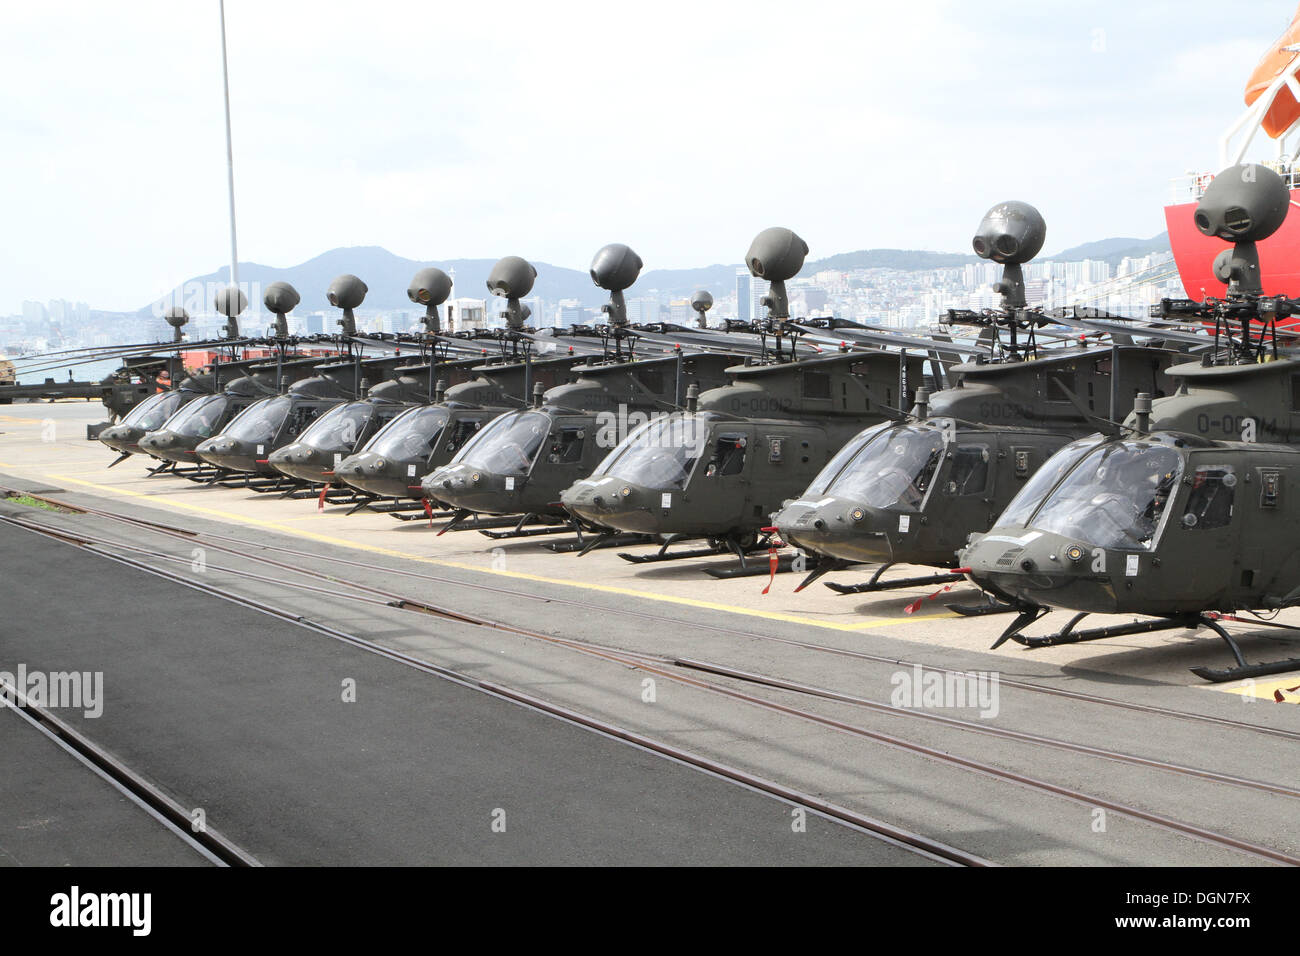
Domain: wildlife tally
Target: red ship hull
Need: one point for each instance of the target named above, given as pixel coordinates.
(1194, 252)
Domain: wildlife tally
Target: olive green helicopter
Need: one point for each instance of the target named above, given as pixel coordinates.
(1182, 514)
(521, 462)
(908, 491)
(717, 470)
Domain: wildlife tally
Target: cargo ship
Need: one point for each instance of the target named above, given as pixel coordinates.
(1272, 106)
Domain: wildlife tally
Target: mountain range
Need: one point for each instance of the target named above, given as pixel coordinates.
(387, 275)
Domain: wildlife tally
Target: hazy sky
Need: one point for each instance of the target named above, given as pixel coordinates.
(469, 129)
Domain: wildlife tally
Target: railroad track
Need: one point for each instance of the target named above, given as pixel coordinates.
(673, 669)
(208, 842)
(515, 593)
(918, 844)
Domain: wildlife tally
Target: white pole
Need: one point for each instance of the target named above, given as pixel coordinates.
(230, 154)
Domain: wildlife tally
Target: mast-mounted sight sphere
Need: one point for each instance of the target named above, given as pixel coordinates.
(1010, 232)
(512, 277)
(615, 267)
(281, 298)
(429, 287)
(776, 254)
(1244, 203)
(346, 292)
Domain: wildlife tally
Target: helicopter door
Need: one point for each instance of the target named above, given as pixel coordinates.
(566, 446)
(969, 474)
(728, 456)
(461, 431)
(720, 472)
(296, 422)
(1207, 514)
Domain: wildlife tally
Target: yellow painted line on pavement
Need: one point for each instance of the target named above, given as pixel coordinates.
(1263, 689)
(520, 575)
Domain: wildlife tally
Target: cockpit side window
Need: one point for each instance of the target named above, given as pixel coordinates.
(1210, 503)
(970, 470)
(300, 418)
(728, 456)
(566, 447)
(463, 432)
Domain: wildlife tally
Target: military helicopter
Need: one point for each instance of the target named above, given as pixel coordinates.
(235, 385)
(423, 438)
(150, 414)
(243, 446)
(521, 462)
(1145, 518)
(718, 469)
(318, 453)
(908, 492)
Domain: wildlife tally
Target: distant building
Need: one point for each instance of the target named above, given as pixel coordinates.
(465, 315)
(744, 295)
(572, 313)
(680, 311)
(815, 300)
(643, 310)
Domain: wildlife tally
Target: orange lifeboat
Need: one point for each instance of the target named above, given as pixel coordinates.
(1284, 111)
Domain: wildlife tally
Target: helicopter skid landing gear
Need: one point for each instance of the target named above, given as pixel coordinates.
(992, 606)
(520, 531)
(411, 512)
(663, 555)
(741, 547)
(611, 539)
(783, 565)
(824, 566)
(1068, 635)
(466, 520)
(875, 583)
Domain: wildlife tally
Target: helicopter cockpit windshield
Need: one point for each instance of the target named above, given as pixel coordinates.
(260, 421)
(1114, 497)
(199, 417)
(153, 411)
(1026, 501)
(895, 469)
(842, 458)
(509, 445)
(659, 454)
(412, 434)
(339, 426)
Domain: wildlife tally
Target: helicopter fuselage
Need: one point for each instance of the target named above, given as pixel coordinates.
(911, 492)
(1160, 524)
